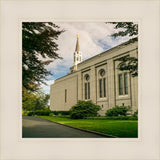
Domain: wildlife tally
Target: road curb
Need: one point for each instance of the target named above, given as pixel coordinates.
(85, 130)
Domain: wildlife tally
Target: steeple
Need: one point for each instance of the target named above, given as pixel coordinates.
(77, 45)
(77, 54)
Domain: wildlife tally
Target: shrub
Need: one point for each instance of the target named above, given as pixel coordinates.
(52, 114)
(135, 114)
(39, 113)
(42, 113)
(48, 112)
(84, 109)
(30, 113)
(118, 111)
(24, 113)
(61, 112)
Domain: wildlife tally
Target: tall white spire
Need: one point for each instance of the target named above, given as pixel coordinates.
(77, 54)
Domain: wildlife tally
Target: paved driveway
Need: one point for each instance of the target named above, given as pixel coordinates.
(35, 127)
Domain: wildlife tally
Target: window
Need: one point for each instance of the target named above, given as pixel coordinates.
(100, 87)
(102, 84)
(87, 77)
(102, 72)
(65, 95)
(123, 83)
(85, 90)
(88, 90)
(120, 85)
(87, 87)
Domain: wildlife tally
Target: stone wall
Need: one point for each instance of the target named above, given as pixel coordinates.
(74, 82)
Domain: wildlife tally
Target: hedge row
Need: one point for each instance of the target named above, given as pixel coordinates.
(113, 118)
(47, 113)
(118, 111)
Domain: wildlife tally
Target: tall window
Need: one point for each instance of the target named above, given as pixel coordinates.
(100, 87)
(88, 90)
(123, 83)
(65, 95)
(120, 85)
(85, 90)
(102, 84)
(87, 87)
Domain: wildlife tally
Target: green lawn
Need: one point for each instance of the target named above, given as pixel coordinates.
(119, 128)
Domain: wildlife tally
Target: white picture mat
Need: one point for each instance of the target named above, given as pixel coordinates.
(146, 13)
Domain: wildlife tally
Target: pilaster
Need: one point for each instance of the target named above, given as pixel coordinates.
(111, 83)
(93, 84)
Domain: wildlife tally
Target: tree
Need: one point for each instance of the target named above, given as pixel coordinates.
(38, 50)
(33, 101)
(130, 29)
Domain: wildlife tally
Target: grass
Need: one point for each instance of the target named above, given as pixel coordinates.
(119, 128)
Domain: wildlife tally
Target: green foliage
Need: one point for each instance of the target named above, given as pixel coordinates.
(128, 29)
(135, 114)
(39, 113)
(34, 101)
(117, 111)
(113, 118)
(130, 64)
(61, 112)
(51, 114)
(38, 44)
(47, 112)
(84, 109)
(25, 113)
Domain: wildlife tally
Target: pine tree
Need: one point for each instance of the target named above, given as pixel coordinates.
(130, 29)
(38, 50)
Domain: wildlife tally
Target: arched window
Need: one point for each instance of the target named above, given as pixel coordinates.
(102, 84)
(87, 86)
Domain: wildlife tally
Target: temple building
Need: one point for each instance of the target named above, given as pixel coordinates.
(98, 79)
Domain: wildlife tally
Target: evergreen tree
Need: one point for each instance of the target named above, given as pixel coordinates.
(38, 50)
(130, 29)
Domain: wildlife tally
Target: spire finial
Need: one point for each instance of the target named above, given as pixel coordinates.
(77, 45)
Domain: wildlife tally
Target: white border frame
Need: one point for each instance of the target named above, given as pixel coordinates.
(14, 147)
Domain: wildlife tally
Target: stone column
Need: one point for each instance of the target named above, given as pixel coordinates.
(111, 83)
(93, 84)
(134, 86)
(79, 86)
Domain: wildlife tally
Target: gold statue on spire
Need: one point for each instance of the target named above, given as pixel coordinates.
(77, 44)
(77, 35)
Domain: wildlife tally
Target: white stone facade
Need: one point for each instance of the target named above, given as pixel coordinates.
(99, 80)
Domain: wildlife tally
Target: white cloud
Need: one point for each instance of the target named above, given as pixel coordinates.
(46, 88)
(89, 36)
(94, 38)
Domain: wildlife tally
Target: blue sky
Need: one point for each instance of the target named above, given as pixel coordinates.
(94, 38)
